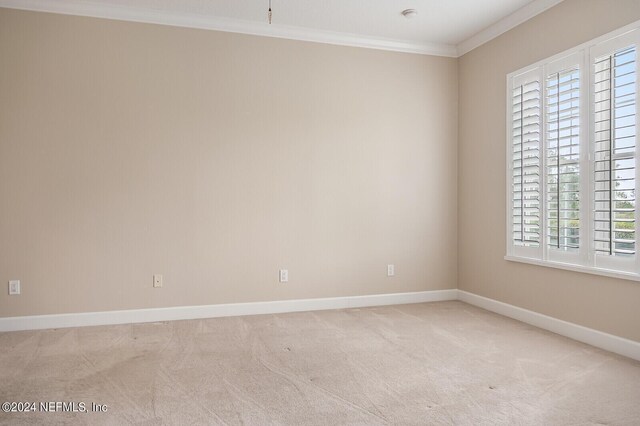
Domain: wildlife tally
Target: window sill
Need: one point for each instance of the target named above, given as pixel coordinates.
(575, 268)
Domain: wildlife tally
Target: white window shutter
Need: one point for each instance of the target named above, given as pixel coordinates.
(562, 106)
(525, 161)
(614, 155)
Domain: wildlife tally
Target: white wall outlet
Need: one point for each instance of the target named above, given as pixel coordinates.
(157, 280)
(284, 275)
(14, 287)
(391, 270)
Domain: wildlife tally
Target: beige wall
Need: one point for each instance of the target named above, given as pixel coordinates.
(606, 304)
(215, 159)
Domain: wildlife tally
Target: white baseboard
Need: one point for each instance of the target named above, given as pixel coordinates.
(39, 322)
(609, 342)
(599, 339)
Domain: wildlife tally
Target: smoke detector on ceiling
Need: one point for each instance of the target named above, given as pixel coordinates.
(409, 13)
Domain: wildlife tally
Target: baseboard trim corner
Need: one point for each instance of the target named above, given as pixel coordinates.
(39, 322)
(599, 339)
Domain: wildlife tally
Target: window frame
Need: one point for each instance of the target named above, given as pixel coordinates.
(585, 258)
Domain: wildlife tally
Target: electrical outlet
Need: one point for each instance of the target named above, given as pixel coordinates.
(284, 275)
(157, 280)
(14, 287)
(391, 270)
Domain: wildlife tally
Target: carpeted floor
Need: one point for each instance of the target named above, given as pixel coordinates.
(434, 363)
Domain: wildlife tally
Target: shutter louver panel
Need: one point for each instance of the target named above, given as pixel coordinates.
(526, 164)
(562, 99)
(614, 153)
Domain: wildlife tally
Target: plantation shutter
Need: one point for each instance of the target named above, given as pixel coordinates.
(614, 153)
(562, 162)
(525, 167)
(572, 161)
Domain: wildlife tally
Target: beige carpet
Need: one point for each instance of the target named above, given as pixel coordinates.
(436, 363)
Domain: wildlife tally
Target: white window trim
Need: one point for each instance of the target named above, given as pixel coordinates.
(585, 260)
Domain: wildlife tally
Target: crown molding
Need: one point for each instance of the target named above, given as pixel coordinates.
(521, 15)
(190, 20)
(154, 16)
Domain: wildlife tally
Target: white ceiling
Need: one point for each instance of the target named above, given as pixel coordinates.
(438, 21)
(441, 26)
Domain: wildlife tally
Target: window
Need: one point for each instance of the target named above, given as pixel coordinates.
(571, 158)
